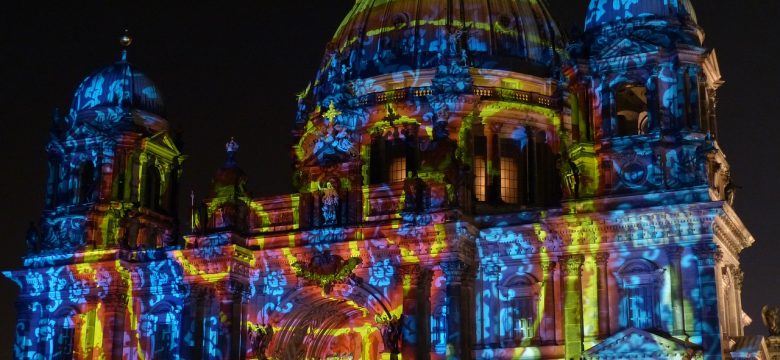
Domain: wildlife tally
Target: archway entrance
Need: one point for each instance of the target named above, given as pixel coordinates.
(338, 325)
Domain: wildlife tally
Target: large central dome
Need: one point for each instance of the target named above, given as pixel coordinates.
(386, 36)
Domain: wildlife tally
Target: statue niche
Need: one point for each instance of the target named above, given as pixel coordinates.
(330, 203)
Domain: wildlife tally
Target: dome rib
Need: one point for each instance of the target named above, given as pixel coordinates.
(381, 37)
(118, 85)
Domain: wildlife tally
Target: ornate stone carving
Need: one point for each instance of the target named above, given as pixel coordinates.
(602, 259)
(454, 270)
(326, 269)
(571, 265)
(708, 254)
(739, 278)
(259, 338)
(673, 252)
(771, 317)
(391, 335)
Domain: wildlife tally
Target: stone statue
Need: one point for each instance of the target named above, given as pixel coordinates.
(33, 238)
(771, 317)
(259, 338)
(330, 204)
(391, 336)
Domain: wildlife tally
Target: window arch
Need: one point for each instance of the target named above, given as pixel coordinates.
(62, 329)
(639, 281)
(519, 310)
(160, 330)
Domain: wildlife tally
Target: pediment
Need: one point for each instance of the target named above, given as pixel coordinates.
(627, 47)
(162, 144)
(641, 344)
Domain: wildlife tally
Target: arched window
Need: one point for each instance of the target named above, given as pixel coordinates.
(631, 111)
(519, 310)
(152, 188)
(159, 330)
(63, 331)
(639, 281)
(86, 182)
(163, 340)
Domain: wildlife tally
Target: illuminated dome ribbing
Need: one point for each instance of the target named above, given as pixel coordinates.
(119, 86)
(387, 36)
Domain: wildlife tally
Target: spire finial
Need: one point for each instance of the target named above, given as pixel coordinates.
(232, 148)
(125, 41)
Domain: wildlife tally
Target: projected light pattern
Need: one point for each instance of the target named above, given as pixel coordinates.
(466, 189)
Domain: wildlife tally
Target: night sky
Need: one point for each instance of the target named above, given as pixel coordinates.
(235, 71)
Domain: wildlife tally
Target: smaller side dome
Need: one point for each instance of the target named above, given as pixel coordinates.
(118, 85)
(602, 12)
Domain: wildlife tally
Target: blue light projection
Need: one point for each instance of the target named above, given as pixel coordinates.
(467, 189)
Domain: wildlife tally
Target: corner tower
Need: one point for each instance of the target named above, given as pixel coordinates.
(642, 88)
(113, 168)
(110, 211)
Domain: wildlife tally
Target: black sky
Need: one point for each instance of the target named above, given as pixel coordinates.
(234, 71)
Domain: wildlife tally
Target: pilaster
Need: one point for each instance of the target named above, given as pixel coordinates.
(708, 256)
(674, 254)
(602, 288)
(571, 272)
(456, 273)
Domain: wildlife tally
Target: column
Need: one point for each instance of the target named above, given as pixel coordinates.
(674, 254)
(201, 299)
(416, 333)
(491, 307)
(571, 271)
(739, 278)
(602, 288)
(708, 256)
(230, 296)
(457, 334)
(549, 318)
(114, 307)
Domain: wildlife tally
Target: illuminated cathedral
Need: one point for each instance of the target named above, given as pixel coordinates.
(470, 184)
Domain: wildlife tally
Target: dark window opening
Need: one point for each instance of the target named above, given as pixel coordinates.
(163, 342)
(631, 111)
(392, 161)
(86, 182)
(63, 343)
(480, 168)
(152, 193)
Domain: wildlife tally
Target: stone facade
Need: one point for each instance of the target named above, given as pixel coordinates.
(468, 186)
